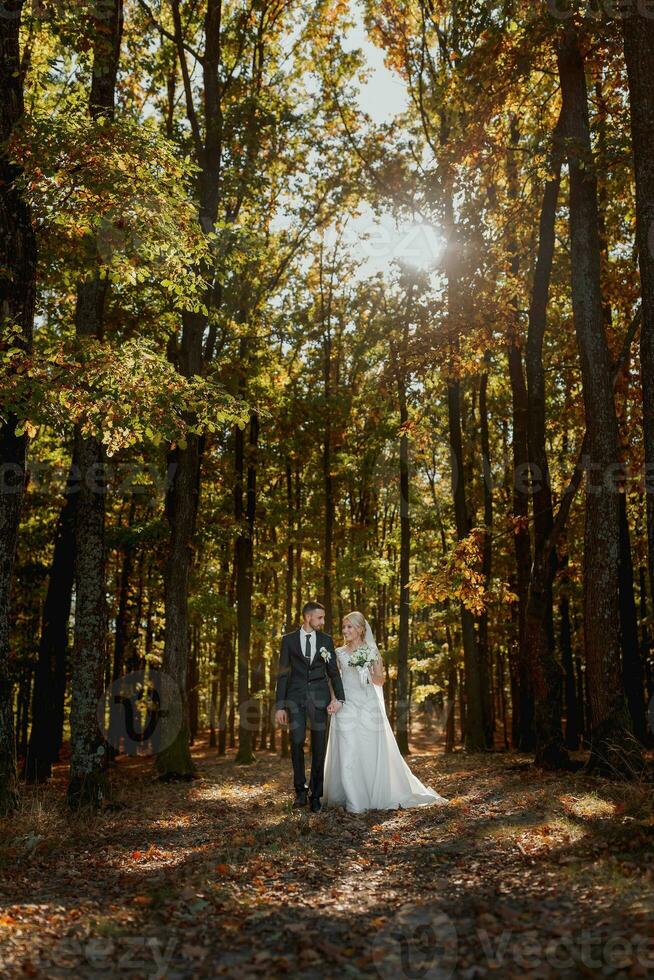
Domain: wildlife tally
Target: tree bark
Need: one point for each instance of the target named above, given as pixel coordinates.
(244, 556)
(573, 721)
(613, 745)
(50, 678)
(399, 356)
(18, 256)
(546, 674)
(633, 674)
(175, 762)
(521, 544)
(88, 756)
(485, 662)
(638, 30)
(328, 480)
(519, 492)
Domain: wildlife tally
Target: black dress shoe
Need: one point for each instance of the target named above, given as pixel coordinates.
(300, 800)
(316, 805)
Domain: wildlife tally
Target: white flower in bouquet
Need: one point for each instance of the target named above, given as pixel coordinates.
(363, 659)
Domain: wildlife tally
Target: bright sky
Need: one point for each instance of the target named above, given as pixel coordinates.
(384, 95)
(379, 241)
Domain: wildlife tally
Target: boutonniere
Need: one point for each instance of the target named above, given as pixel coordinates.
(325, 654)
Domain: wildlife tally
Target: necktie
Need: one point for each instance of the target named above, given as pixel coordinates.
(307, 651)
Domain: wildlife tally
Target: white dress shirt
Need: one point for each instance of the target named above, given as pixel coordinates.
(303, 642)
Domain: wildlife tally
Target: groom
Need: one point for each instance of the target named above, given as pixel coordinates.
(306, 661)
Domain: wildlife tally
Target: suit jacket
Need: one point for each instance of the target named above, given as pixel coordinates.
(299, 681)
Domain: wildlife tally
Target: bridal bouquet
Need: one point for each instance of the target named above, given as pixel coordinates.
(363, 658)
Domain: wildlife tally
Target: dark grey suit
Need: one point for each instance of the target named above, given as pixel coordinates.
(303, 690)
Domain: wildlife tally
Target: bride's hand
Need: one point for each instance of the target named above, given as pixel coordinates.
(378, 673)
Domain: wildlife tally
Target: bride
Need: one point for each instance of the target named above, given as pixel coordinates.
(364, 769)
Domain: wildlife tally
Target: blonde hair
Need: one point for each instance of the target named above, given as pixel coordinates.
(358, 620)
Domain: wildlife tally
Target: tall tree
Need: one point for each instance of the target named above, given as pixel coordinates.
(400, 353)
(50, 677)
(544, 668)
(613, 745)
(638, 29)
(18, 255)
(86, 785)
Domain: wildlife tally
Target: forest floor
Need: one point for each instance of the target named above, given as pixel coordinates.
(523, 874)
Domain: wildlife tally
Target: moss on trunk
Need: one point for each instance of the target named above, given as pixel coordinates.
(175, 762)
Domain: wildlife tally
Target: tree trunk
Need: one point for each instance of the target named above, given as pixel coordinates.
(632, 667)
(18, 254)
(475, 739)
(638, 29)
(245, 517)
(213, 693)
(451, 704)
(403, 697)
(485, 667)
(182, 498)
(175, 762)
(613, 745)
(573, 723)
(290, 523)
(88, 756)
(519, 487)
(50, 678)
(645, 641)
(546, 675)
(328, 480)
(122, 632)
(521, 545)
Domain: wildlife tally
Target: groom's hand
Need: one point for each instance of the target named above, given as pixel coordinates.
(281, 718)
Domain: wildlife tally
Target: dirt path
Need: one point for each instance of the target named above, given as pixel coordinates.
(522, 875)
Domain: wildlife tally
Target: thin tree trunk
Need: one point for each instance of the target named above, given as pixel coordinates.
(546, 675)
(245, 517)
(475, 739)
(88, 755)
(18, 255)
(50, 678)
(632, 667)
(645, 641)
(519, 490)
(290, 522)
(403, 698)
(328, 480)
(485, 666)
(638, 29)
(214, 714)
(450, 733)
(122, 634)
(182, 499)
(572, 727)
(174, 761)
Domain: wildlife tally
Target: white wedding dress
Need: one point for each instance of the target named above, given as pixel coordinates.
(364, 769)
